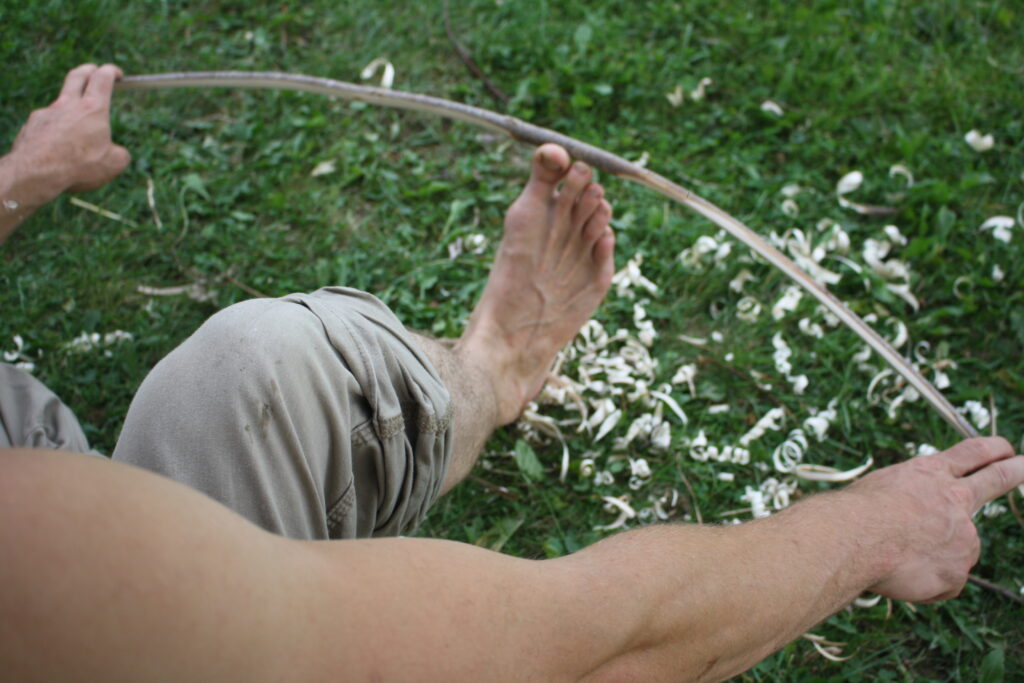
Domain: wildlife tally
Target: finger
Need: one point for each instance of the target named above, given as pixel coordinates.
(74, 82)
(992, 481)
(973, 454)
(101, 82)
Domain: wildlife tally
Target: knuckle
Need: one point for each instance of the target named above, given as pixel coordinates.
(972, 541)
(948, 584)
(91, 103)
(986, 446)
(927, 465)
(83, 71)
(975, 446)
(955, 592)
(955, 579)
(1000, 444)
(961, 494)
(966, 550)
(975, 553)
(1001, 472)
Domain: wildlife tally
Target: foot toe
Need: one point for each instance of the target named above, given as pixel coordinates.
(603, 251)
(576, 179)
(588, 202)
(550, 164)
(597, 225)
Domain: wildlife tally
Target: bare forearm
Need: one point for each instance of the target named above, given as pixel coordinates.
(704, 603)
(145, 578)
(20, 193)
(678, 602)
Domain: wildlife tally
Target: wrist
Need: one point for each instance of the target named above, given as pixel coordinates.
(846, 535)
(874, 532)
(24, 185)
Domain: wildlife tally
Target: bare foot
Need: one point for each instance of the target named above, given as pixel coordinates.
(553, 268)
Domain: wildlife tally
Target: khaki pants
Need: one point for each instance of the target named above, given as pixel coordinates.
(31, 416)
(315, 416)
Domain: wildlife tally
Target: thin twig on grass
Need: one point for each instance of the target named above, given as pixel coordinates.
(494, 488)
(467, 59)
(195, 291)
(103, 212)
(1010, 495)
(1014, 509)
(694, 507)
(246, 288)
(995, 588)
(152, 203)
(992, 412)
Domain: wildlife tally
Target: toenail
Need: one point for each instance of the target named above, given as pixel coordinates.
(580, 168)
(550, 162)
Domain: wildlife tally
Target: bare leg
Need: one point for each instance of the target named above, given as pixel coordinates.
(553, 268)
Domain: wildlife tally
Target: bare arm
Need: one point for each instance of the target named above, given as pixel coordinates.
(112, 573)
(65, 147)
(679, 602)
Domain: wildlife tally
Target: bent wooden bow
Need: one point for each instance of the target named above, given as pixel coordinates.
(599, 158)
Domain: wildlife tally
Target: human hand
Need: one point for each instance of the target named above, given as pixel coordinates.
(67, 146)
(926, 507)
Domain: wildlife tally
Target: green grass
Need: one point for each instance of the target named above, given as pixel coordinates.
(864, 85)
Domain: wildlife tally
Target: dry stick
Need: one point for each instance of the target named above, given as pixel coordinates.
(695, 508)
(995, 588)
(992, 413)
(995, 432)
(246, 288)
(1013, 507)
(470, 63)
(88, 206)
(494, 488)
(599, 158)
